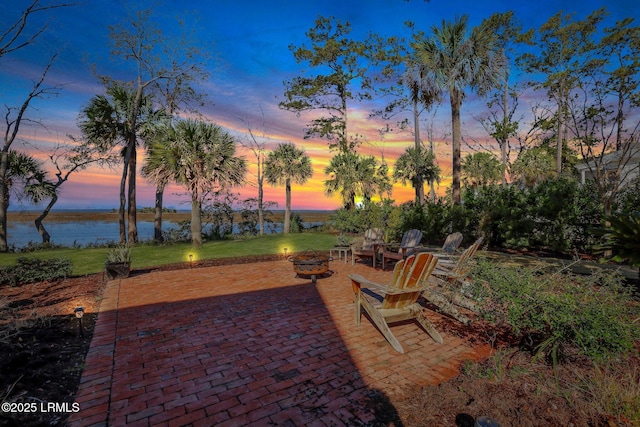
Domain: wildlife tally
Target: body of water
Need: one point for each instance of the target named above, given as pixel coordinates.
(82, 233)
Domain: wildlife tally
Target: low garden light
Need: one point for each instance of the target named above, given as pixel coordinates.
(79, 312)
(285, 252)
(190, 260)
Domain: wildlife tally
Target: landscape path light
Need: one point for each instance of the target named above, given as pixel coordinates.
(79, 312)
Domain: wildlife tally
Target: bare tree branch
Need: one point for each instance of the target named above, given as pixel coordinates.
(9, 40)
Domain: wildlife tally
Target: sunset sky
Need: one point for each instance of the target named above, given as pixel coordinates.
(250, 59)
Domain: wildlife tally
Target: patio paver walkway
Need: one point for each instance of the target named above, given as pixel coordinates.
(250, 344)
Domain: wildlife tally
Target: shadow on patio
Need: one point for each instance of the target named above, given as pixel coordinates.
(250, 344)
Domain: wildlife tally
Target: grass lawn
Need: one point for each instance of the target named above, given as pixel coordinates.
(91, 260)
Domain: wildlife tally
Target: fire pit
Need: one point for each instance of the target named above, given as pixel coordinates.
(310, 264)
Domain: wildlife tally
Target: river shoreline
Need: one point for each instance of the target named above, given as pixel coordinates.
(80, 228)
(108, 216)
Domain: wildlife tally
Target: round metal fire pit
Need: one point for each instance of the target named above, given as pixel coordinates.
(310, 264)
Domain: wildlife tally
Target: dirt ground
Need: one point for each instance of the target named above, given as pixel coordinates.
(42, 350)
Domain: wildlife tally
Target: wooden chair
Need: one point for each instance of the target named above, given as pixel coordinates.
(366, 247)
(449, 247)
(446, 288)
(456, 265)
(452, 243)
(397, 301)
(410, 243)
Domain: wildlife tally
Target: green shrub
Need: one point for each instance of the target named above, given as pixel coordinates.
(181, 233)
(622, 238)
(429, 218)
(556, 215)
(436, 219)
(296, 223)
(628, 200)
(593, 314)
(413, 216)
(39, 246)
(29, 270)
(221, 219)
(499, 214)
(370, 215)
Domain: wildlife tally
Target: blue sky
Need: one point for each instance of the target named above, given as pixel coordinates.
(248, 42)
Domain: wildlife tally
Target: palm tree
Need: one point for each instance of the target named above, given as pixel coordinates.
(534, 166)
(422, 90)
(284, 164)
(156, 170)
(354, 175)
(109, 121)
(481, 169)
(26, 177)
(202, 157)
(456, 61)
(417, 165)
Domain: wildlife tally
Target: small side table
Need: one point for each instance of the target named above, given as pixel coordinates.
(342, 251)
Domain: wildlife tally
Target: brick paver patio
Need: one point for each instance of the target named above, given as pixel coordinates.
(250, 344)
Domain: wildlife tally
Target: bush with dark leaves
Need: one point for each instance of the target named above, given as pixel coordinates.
(30, 270)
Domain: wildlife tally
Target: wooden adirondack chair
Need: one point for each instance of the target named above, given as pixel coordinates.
(452, 243)
(457, 265)
(410, 243)
(397, 301)
(446, 287)
(367, 246)
(449, 247)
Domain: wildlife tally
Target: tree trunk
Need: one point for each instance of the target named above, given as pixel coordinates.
(133, 211)
(419, 184)
(607, 213)
(260, 196)
(619, 118)
(46, 238)
(559, 136)
(432, 188)
(157, 219)
(420, 191)
(345, 134)
(130, 159)
(505, 121)
(123, 203)
(260, 209)
(4, 201)
(196, 221)
(456, 144)
(287, 210)
(559, 150)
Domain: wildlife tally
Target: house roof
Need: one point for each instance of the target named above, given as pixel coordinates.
(614, 157)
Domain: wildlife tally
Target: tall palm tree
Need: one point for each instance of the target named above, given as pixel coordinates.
(283, 165)
(422, 91)
(157, 171)
(110, 121)
(456, 61)
(417, 165)
(202, 157)
(352, 175)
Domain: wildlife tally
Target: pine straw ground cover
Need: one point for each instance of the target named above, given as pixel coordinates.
(42, 354)
(516, 389)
